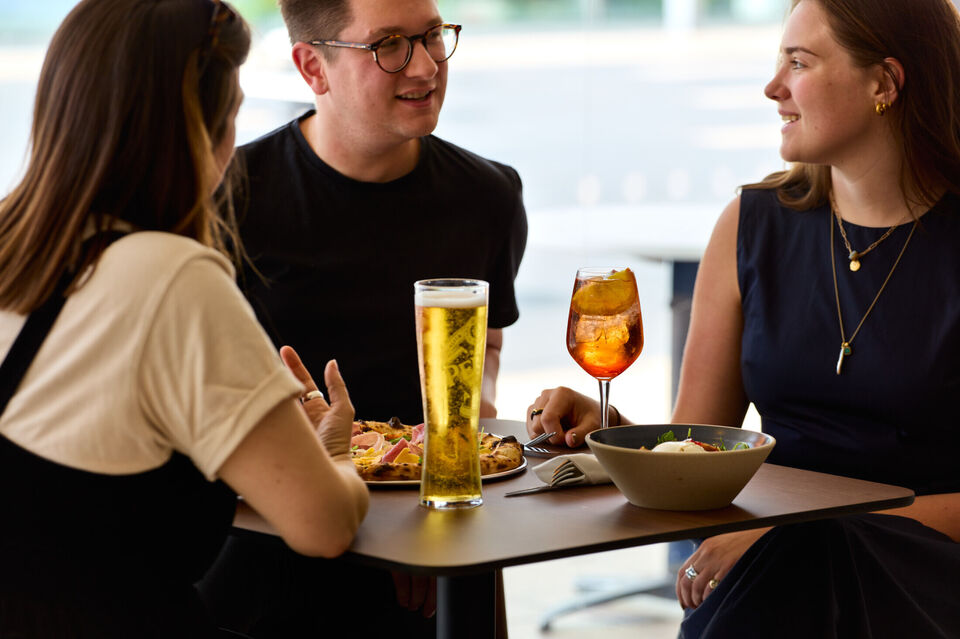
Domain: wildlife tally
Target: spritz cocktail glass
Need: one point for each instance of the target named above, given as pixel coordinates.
(605, 328)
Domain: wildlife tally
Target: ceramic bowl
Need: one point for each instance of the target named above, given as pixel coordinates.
(675, 480)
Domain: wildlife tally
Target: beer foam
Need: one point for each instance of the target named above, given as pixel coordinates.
(450, 299)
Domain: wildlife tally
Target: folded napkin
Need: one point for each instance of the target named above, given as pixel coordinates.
(593, 472)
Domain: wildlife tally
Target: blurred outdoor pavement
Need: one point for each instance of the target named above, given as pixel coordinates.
(533, 590)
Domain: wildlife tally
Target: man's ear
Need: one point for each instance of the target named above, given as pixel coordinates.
(312, 67)
(890, 81)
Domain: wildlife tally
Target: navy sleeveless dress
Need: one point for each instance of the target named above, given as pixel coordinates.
(91, 556)
(892, 415)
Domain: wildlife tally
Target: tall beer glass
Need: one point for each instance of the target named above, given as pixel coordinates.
(451, 342)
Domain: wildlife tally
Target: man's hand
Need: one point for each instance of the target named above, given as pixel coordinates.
(416, 592)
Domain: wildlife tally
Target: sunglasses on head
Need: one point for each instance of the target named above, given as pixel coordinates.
(222, 12)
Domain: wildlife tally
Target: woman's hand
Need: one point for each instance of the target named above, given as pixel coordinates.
(566, 413)
(711, 562)
(296, 471)
(334, 420)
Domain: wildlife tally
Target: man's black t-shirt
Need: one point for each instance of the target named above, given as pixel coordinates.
(340, 256)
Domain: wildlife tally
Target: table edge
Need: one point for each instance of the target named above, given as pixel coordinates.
(695, 533)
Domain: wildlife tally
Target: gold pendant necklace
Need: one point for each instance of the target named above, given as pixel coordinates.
(852, 254)
(845, 349)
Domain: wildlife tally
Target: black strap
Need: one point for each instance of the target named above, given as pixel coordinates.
(39, 323)
(28, 342)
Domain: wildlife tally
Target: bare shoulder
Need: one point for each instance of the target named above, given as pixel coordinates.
(710, 390)
(719, 264)
(725, 230)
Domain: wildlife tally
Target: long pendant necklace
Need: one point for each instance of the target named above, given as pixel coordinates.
(853, 255)
(845, 350)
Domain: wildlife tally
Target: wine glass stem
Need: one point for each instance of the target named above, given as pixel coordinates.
(604, 403)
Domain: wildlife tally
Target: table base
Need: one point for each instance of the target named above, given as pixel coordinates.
(464, 605)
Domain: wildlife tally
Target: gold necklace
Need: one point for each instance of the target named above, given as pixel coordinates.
(845, 350)
(854, 255)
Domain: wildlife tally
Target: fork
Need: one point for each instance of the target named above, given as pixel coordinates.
(563, 475)
(531, 446)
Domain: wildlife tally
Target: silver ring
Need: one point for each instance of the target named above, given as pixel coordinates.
(535, 412)
(311, 395)
(691, 572)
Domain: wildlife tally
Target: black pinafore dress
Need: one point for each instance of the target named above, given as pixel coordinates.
(87, 555)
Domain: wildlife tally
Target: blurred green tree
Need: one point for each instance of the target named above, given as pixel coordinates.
(262, 14)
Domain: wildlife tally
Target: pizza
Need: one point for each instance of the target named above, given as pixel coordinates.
(392, 451)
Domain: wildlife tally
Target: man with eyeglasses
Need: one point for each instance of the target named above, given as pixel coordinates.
(347, 206)
(355, 200)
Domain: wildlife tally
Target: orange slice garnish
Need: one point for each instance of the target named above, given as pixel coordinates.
(610, 295)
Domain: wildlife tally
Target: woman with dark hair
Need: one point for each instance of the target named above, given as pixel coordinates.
(828, 297)
(135, 376)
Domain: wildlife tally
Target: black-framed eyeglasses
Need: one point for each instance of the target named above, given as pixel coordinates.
(394, 52)
(222, 12)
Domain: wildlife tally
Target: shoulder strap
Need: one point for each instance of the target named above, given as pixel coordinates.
(38, 324)
(28, 342)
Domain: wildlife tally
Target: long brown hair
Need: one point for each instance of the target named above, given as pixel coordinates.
(132, 100)
(924, 35)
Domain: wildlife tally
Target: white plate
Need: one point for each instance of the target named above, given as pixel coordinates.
(416, 482)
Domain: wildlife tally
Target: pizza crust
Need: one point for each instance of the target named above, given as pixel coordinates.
(390, 472)
(499, 454)
(390, 430)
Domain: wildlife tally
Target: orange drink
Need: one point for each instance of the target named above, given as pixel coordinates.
(604, 328)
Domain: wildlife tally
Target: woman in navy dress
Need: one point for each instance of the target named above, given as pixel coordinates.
(829, 297)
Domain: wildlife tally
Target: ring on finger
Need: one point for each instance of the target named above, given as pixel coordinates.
(535, 412)
(691, 572)
(713, 583)
(314, 394)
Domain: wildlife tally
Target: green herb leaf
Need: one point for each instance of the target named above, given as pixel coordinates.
(741, 445)
(394, 440)
(666, 437)
(689, 430)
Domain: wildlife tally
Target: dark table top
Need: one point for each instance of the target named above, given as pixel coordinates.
(399, 534)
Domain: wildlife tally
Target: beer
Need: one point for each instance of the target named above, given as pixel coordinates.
(451, 342)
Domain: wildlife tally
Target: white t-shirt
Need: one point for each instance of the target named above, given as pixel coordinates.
(157, 352)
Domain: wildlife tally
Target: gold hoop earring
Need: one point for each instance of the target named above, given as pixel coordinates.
(881, 108)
